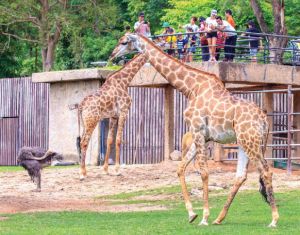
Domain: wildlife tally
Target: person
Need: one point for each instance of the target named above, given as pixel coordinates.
(220, 43)
(181, 46)
(203, 39)
(142, 27)
(231, 38)
(211, 34)
(166, 27)
(229, 18)
(192, 25)
(127, 29)
(171, 41)
(253, 42)
(191, 38)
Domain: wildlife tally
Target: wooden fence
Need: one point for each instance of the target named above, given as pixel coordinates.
(24, 118)
(24, 115)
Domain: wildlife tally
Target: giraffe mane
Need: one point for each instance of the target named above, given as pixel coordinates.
(123, 67)
(176, 60)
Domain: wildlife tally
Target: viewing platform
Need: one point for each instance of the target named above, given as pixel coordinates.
(230, 73)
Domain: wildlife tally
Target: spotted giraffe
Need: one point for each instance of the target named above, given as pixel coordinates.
(111, 101)
(213, 114)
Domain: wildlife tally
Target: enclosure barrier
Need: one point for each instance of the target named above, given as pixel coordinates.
(290, 56)
(289, 146)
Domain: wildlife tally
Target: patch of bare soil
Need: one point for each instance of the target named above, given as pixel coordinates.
(62, 190)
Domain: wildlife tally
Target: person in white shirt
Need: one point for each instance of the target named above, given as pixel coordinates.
(192, 25)
(231, 38)
(211, 34)
(142, 27)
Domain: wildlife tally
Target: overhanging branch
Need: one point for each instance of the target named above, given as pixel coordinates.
(18, 37)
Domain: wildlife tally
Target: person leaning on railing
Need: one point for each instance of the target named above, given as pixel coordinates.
(211, 34)
(231, 38)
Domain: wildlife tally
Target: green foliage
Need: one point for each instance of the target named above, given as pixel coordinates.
(180, 12)
(91, 28)
(292, 17)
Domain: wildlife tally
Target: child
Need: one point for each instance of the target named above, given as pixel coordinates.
(181, 45)
(220, 43)
(171, 41)
(192, 38)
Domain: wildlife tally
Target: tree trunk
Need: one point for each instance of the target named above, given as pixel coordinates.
(275, 43)
(49, 40)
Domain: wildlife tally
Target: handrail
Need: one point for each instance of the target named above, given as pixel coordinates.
(266, 54)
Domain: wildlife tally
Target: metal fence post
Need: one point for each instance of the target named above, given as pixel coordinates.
(289, 109)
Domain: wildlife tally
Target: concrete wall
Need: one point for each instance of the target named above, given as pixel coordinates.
(63, 127)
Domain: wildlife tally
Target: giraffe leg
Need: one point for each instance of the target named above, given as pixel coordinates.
(241, 176)
(201, 161)
(121, 123)
(267, 189)
(110, 140)
(186, 159)
(88, 131)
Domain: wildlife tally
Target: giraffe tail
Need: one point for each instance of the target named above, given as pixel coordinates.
(262, 189)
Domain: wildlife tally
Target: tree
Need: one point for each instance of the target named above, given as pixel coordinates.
(42, 22)
(279, 27)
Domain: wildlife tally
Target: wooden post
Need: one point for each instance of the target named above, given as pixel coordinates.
(169, 121)
(218, 152)
(268, 107)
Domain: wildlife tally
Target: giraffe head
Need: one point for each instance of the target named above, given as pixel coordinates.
(127, 44)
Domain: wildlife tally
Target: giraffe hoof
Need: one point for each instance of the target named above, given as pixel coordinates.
(203, 222)
(192, 218)
(272, 225)
(216, 222)
(81, 177)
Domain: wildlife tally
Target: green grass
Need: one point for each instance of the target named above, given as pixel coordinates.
(156, 191)
(11, 168)
(248, 215)
(19, 168)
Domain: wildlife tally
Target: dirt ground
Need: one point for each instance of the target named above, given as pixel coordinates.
(62, 190)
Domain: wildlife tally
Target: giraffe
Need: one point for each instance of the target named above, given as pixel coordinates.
(213, 114)
(111, 101)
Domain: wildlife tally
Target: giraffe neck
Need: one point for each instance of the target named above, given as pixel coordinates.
(125, 75)
(181, 76)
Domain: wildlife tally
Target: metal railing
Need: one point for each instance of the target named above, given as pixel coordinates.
(290, 54)
(287, 135)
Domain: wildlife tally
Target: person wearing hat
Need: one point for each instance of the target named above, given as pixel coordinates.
(167, 28)
(142, 27)
(211, 35)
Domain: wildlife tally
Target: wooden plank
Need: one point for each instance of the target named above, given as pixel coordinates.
(169, 122)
